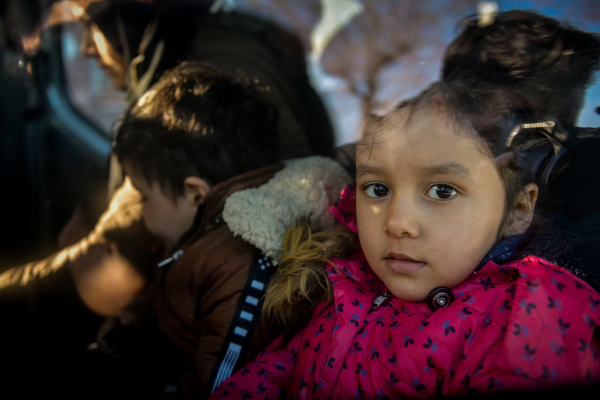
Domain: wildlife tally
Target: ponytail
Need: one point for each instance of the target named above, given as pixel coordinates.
(300, 282)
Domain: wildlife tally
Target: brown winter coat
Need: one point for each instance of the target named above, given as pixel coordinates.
(197, 295)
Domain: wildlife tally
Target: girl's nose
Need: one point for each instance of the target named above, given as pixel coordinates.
(402, 221)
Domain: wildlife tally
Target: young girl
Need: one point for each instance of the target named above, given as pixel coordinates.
(434, 299)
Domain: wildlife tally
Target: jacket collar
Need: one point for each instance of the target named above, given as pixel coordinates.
(209, 214)
(506, 250)
(306, 186)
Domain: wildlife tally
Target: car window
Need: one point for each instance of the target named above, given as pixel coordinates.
(88, 86)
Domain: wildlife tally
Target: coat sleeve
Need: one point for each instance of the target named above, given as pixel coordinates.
(268, 375)
(106, 267)
(50, 308)
(511, 375)
(44, 315)
(36, 298)
(550, 339)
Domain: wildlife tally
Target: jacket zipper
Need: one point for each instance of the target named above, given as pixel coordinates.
(380, 300)
(171, 259)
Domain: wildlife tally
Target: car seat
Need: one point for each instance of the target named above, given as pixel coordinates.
(566, 170)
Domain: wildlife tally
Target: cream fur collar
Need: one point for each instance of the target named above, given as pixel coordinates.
(306, 185)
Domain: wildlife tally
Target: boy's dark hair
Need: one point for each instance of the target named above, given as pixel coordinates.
(196, 121)
(523, 46)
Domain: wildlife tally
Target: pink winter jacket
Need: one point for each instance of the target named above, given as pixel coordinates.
(525, 325)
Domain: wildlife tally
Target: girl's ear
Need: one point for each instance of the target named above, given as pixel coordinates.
(195, 190)
(522, 214)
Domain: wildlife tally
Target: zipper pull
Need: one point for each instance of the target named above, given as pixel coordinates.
(378, 301)
(171, 259)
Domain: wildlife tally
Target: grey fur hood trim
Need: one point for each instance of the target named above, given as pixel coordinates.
(305, 186)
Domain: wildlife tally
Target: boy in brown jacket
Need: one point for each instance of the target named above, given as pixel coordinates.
(196, 137)
(193, 142)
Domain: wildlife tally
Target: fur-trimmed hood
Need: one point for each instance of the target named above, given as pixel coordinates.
(305, 186)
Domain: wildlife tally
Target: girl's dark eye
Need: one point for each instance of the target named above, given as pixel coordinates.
(377, 190)
(441, 192)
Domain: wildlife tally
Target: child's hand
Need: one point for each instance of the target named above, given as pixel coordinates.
(102, 342)
(105, 280)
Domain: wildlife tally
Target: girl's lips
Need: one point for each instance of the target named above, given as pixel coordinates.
(402, 264)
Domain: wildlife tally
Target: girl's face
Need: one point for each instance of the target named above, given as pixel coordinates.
(429, 204)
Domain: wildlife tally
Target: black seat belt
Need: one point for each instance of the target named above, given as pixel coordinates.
(245, 320)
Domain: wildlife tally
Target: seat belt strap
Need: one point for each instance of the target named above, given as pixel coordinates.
(245, 320)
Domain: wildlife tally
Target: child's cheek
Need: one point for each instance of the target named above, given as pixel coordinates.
(368, 228)
(148, 221)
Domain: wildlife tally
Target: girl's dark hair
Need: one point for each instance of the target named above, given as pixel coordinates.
(196, 121)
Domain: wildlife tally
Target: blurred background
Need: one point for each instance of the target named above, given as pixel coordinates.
(59, 108)
(387, 51)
